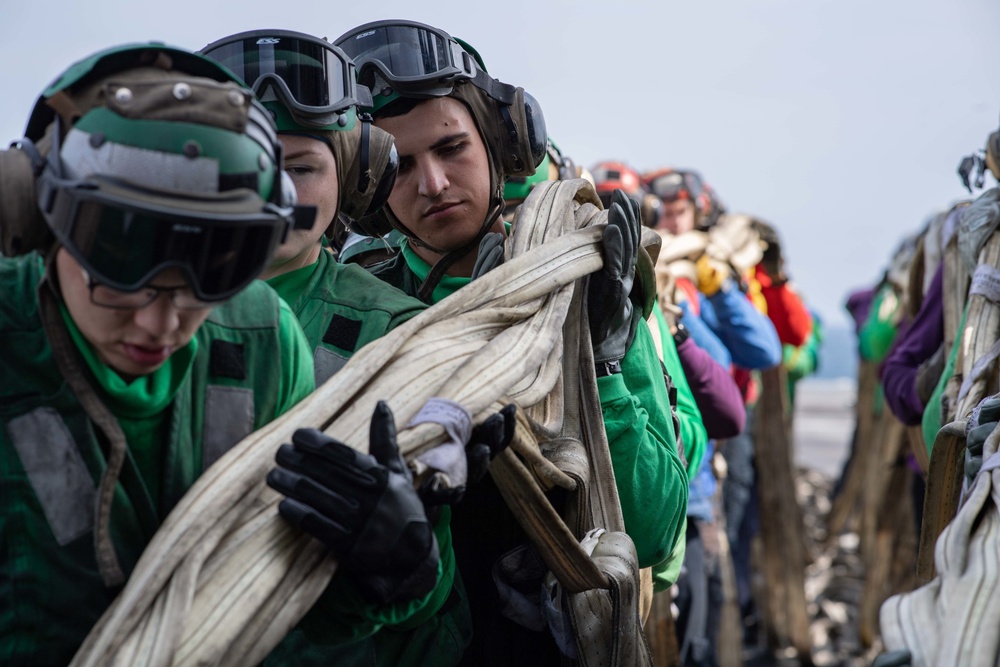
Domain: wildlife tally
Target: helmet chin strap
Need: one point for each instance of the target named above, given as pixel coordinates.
(442, 265)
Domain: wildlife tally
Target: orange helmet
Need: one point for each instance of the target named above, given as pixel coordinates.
(611, 175)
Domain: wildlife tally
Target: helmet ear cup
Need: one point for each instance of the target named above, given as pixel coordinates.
(703, 202)
(22, 227)
(993, 154)
(511, 123)
(383, 143)
(567, 168)
(375, 225)
(535, 143)
(521, 133)
(368, 163)
(374, 222)
(650, 209)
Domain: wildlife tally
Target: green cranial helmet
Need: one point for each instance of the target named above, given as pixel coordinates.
(155, 157)
(397, 58)
(309, 86)
(405, 59)
(306, 81)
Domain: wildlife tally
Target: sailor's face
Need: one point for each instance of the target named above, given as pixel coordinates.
(136, 341)
(442, 191)
(677, 216)
(313, 169)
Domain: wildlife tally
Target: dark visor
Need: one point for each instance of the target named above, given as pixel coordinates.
(220, 242)
(408, 55)
(309, 75)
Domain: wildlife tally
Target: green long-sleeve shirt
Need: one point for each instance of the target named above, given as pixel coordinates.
(692, 427)
(246, 364)
(692, 434)
(341, 308)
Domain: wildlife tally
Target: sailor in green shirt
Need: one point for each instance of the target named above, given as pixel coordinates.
(460, 134)
(344, 167)
(690, 428)
(136, 348)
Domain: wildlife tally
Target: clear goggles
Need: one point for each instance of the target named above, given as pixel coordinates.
(408, 56)
(124, 235)
(310, 76)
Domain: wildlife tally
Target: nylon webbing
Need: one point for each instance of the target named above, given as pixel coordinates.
(986, 281)
(979, 368)
(944, 486)
(606, 507)
(561, 551)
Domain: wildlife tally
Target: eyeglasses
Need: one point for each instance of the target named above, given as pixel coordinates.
(181, 296)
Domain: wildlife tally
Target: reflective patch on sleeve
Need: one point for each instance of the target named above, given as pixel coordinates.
(56, 471)
(326, 363)
(228, 419)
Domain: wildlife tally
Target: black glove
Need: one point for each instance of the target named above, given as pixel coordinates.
(929, 374)
(490, 254)
(487, 440)
(989, 417)
(363, 507)
(612, 325)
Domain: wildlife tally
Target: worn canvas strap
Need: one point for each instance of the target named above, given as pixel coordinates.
(64, 354)
(952, 619)
(944, 486)
(609, 631)
(603, 588)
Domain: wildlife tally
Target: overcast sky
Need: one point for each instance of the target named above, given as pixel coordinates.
(840, 121)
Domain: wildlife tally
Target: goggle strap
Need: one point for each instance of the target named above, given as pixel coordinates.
(365, 175)
(501, 92)
(52, 172)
